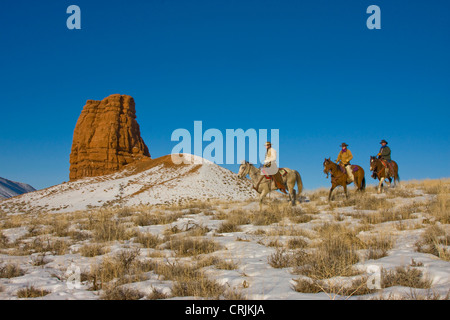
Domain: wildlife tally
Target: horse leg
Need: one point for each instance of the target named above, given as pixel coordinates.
(380, 184)
(359, 184)
(331, 191)
(345, 191)
(390, 182)
(261, 197)
(292, 195)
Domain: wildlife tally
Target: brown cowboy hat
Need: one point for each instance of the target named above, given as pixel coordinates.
(268, 143)
(344, 145)
(383, 141)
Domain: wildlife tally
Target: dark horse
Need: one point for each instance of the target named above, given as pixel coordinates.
(380, 172)
(339, 176)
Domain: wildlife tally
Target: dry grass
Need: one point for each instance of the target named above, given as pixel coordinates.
(121, 293)
(334, 256)
(378, 246)
(184, 246)
(189, 281)
(334, 290)
(31, 292)
(148, 240)
(435, 240)
(10, 270)
(93, 250)
(107, 230)
(406, 277)
(123, 267)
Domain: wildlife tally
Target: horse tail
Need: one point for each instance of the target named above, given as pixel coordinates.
(397, 175)
(363, 184)
(298, 178)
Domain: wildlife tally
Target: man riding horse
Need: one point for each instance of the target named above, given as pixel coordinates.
(343, 159)
(385, 156)
(270, 169)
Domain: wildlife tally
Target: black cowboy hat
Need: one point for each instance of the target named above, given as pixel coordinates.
(344, 144)
(383, 141)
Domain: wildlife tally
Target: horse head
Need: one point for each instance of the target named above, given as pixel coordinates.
(373, 162)
(243, 169)
(326, 166)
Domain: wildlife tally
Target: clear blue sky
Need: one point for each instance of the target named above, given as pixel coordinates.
(313, 64)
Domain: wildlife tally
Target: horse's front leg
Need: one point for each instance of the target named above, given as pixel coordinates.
(380, 184)
(261, 197)
(331, 191)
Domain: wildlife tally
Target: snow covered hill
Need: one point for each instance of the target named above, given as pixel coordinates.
(157, 181)
(10, 188)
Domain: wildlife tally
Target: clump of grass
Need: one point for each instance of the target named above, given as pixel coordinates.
(124, 267)
(406, 277)
(4, 241)
(229, 226)
(265, 217)
(93, 250)
(157, 294)
(189, 281)
(31, 292)
(378, 246)
(334, 256)
(110, 230)
(333, 290)
(281, 258)
(435, 240)
(297, 243)
(121, 293)
(439, 207)
(10, 271)
(368, 202)
(148, 240)
(147, 219)
(60, 226)
(192, 247)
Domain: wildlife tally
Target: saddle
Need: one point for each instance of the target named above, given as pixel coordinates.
(354, 168)
(282, 173)
(388, 167)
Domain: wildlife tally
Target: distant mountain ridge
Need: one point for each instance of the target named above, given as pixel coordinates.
(9, 189)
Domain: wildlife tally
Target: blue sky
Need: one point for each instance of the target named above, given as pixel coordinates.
(311, 69)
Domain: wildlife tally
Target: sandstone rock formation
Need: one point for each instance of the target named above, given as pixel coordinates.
(106, 138)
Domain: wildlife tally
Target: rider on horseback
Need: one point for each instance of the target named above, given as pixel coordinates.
(344, 157)
(385, 156)
(270, 169)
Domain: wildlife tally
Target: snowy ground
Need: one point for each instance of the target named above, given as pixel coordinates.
(229, 249)
(162, 183)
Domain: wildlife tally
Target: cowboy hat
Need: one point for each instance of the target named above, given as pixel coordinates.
(344, 144)
(383, 141)
(268, 143)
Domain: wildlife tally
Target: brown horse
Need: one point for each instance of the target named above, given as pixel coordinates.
(379, 171)
(339, 176)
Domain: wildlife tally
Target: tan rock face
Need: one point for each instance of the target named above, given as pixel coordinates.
(106, 138)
